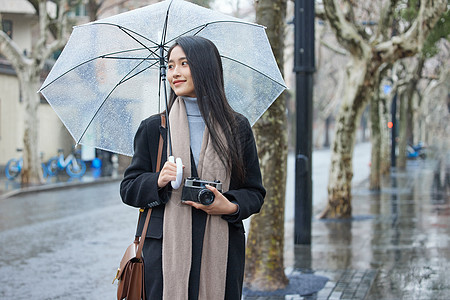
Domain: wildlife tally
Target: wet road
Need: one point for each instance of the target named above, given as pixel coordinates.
(63, 244)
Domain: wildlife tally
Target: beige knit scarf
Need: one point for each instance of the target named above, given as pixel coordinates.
(177, 232)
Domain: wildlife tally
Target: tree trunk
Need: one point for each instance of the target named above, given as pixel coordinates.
(264, 269)
(385, 150)
(360, 80)
(379, 134)
(411, 92)
(32, 172)
(375, 170)
(406, 112)
(401, 158)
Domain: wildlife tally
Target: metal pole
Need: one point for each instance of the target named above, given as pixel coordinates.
(304, 68)
(394, 130)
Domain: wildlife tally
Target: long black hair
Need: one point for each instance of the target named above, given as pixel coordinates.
(207, 75)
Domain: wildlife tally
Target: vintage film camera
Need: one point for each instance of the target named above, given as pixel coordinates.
(194, 190)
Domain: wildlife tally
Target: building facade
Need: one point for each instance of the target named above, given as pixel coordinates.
(20, 22)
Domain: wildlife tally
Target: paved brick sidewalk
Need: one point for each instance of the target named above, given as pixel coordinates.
(345, 284)
(341, 284)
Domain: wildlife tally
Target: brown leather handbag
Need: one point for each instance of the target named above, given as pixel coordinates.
(131, 269)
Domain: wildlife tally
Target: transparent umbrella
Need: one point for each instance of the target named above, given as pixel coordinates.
(111, 74)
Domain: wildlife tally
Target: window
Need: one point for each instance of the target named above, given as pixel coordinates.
(7, 27)
(78, 11)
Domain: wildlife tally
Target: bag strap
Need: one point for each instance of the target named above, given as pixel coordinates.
(147, 219)
(161, 142)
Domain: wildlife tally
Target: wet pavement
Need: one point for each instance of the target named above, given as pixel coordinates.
(65, 243)
(10, 188)
(396, 246)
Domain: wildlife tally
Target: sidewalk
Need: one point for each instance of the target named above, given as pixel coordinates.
(9, 188)
(396, 246)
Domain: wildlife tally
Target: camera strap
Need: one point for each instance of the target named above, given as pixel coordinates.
(194, 172)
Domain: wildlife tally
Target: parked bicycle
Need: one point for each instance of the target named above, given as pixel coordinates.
(73, 165)
(416, 151)
(14, 167)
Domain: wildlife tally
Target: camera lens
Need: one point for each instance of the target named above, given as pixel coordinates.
(205, 197)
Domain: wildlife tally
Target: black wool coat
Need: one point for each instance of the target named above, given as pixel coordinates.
(139, 189)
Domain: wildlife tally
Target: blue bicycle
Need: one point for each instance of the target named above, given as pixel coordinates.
(15, 165)
(73, 165)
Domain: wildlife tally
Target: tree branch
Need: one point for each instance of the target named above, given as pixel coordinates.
(62, 20)
(42, 49)
(332, 48)
(319, 11)
(50, 49)
(386, 19)
(43, 25)
(12, 52)
(411, 42)
(346, 32)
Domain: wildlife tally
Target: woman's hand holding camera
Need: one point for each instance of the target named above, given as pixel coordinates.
(220, 206)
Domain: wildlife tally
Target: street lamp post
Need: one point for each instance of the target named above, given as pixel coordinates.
(304, 68)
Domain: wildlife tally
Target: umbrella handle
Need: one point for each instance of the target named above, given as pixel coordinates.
(176, 183)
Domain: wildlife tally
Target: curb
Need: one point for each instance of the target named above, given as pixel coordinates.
(58, 186)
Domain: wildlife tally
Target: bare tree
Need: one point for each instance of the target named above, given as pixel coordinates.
(28, 67)
(368, 53)
(265, 244)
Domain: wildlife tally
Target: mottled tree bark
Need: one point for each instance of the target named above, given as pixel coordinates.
(385, 151)
(401, 157)
(31, 172)
(410, 93)
(359, 82)
(377, 133)
(406, 111)
(375, 170)
(265, 245)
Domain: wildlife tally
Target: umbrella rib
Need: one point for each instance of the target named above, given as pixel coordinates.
(166, 21)
(203, 26)
(90, 60)
(129, 58)
(137, 58)
(126, 30)
(124, 79)
(250, 67)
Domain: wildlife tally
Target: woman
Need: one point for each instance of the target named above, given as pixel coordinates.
(194, 251)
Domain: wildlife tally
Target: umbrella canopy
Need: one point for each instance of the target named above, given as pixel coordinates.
(107, 79)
